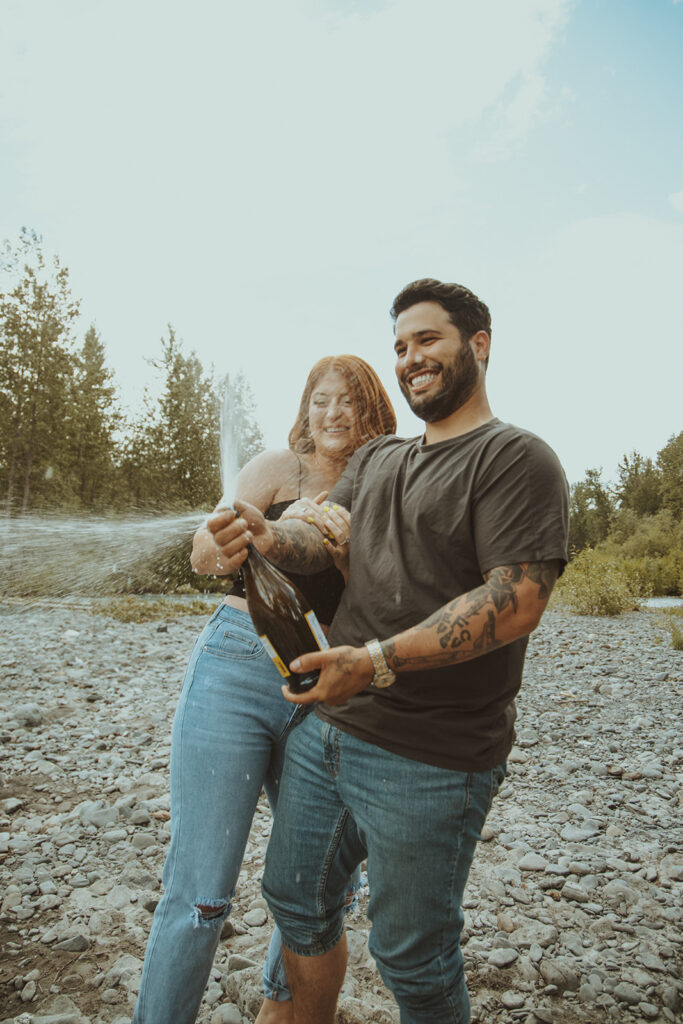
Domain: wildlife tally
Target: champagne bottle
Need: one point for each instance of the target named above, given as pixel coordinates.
(283, 618)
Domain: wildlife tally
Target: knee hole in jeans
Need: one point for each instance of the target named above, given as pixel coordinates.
(210, 912)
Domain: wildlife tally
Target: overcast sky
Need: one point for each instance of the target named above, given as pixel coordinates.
(266, 176)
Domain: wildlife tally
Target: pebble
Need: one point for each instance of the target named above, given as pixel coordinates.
(226, 1014)
(575, 891)
(503, 957)
(560, 973)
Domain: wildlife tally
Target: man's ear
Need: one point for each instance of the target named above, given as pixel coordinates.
(481, 346)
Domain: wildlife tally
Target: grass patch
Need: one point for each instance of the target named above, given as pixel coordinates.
(668, 619)
(139, 609)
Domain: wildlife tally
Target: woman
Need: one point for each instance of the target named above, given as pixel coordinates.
(231, 724)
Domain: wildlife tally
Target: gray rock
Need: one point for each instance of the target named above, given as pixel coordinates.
(625, 992)
(226, 1014)
(74, 944)
(648, 1010)
(255, 918)
(532, 862)
(503, 957)
(213, 993)
(96, 812)
(239, 963)
(560, 973)
(534, 934)
(28, 992)
(28, 714)
(11, 804)
(575, 892)
(513, 1000)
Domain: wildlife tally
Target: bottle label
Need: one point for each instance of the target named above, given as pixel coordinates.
(277, 660)
(317, 631)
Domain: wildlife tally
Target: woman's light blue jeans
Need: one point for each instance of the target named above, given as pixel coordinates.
(228, 742)
(342, 799)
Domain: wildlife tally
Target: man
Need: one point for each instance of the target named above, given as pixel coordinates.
(457, 538)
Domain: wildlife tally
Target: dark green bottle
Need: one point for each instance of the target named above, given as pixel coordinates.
(283, 618)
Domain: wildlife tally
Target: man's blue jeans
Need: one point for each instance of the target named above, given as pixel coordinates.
(341, 800)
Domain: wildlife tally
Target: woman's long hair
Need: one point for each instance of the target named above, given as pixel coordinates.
(374, 410)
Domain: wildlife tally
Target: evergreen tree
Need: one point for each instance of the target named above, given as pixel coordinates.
(591, 508)
(171, 455)
(93, 422)
(36, 367)
(670, 465)
(639, 487)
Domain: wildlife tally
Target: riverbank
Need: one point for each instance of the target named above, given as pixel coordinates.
(573, 904)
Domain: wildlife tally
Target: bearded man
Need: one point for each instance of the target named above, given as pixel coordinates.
(457, 538)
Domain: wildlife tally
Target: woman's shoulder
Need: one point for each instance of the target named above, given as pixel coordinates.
(266, 475)
(273, 459)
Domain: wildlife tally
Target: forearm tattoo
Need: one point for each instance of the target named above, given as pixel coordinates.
(299, 547)
(469, 625)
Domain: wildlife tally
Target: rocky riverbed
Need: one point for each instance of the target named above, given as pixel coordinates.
(573, 908)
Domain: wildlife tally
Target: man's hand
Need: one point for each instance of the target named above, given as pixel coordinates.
(231, 537)
(344, 671)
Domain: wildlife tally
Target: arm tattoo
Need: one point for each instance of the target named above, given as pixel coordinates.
(469, 625)
(299, 547)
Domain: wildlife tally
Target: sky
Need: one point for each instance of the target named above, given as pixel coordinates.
(266, 177)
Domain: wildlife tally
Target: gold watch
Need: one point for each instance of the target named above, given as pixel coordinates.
(383, 674)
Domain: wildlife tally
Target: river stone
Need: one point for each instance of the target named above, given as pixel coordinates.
(503, 957)
(28, 714)
(226, 1014)
(651, 962)
(625, 992)
(96, 812)
(255, 918)
(532, 862)
(578, 833)
(617, 891)
(534, 934)
(11, 804)
(75, 944)
(512, 1000)
(240, 963)
(560, 973)
(575, 892)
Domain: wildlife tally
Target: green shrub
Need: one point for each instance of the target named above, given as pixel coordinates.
(677, 638)
(595, 585)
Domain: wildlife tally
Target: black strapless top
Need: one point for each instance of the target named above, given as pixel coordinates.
(323, 589)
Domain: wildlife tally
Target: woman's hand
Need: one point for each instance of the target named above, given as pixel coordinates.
(333, 521)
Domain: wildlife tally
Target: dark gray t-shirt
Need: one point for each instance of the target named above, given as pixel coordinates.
(427, 522)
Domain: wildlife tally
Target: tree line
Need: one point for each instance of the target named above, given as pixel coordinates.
(635, 523)
(65, 441)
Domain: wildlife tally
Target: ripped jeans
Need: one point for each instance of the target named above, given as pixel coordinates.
(228, 741)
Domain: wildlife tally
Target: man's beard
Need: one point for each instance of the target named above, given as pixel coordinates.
(459, 380)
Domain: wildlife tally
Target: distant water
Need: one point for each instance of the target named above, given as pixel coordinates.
(663, 602)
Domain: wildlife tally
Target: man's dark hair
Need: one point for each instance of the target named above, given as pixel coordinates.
(466, 312)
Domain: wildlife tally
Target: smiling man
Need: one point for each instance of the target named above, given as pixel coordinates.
(457, 538)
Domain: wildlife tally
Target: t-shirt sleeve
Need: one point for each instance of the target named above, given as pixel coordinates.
(520, 505)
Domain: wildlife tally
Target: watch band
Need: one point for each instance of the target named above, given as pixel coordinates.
(383, 674)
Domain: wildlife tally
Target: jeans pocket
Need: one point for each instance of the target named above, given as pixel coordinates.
(234, 642)
(497, 778)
